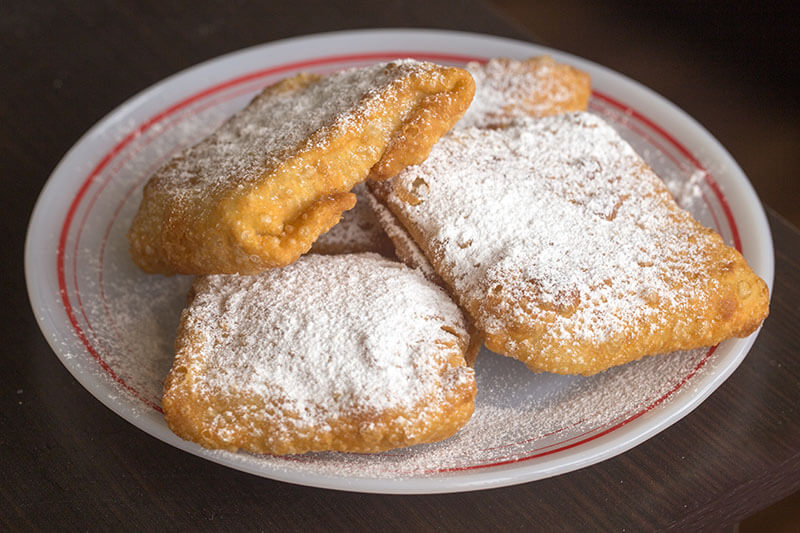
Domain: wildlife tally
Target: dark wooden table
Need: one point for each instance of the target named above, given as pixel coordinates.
(67, 462)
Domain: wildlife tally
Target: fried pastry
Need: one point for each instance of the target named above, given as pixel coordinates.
(567, 251)
(405, 249)
(506, 89)
(258, 191)
(351, 353)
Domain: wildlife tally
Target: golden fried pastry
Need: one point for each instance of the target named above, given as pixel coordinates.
(357, 231)
(567, 251)
(351, 353)
(506, 89)
(258, 191)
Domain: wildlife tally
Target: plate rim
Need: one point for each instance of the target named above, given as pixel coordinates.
(489, 477)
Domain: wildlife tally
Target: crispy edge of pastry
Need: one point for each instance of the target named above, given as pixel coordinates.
(554, 88)
(433, 116)
(738, 305)
(188, 417)
(538, 86)
(576, 83)
(358, 231)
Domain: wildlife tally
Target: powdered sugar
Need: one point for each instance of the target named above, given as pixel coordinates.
(326, 337)
(544, 215)
(134, 321)
(506, 89)
(688, 193)
(270, 128)
(518, 415)
(405, 247)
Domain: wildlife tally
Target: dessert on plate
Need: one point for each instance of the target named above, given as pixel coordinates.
(350, 352)
(566, 250)
(257, 192)
(531, 226)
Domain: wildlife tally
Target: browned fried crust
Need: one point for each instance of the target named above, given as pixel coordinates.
(270, 213)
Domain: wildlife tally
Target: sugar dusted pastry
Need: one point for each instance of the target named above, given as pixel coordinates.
(567, 251)
(350, 353)
(406, 250)
(506, 89)
(258, 191)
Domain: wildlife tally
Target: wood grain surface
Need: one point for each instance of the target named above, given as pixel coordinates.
(69, 463)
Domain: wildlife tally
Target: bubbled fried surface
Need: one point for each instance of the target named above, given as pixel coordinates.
(505, 89)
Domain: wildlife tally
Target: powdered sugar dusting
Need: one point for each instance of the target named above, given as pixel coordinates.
(133, 321)
(560, 211)
(506, 89)
(325, 337)
(518, 415)
(405, 247)
(688, 193)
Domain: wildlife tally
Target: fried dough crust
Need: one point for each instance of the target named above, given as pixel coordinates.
(507, 89)
(358, 231)
(504, 90)
(407, 251)
(258, 192)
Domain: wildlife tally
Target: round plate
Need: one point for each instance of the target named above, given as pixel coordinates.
(113, 326)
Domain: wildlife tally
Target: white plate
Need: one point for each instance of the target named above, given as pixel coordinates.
(112, 326)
